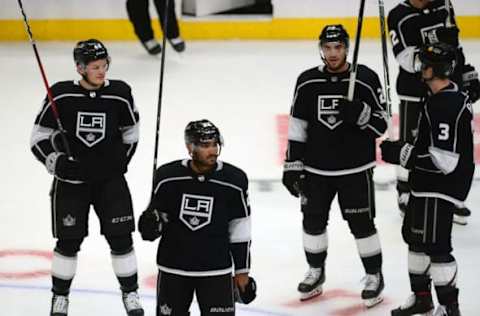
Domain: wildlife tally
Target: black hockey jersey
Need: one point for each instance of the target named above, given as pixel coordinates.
(208, 219)
(102, 127)
(411, 28)
(318, 136)
(444, 162)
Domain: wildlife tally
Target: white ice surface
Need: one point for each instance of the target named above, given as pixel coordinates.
(240, 86)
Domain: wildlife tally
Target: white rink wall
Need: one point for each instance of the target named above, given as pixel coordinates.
(115, 9)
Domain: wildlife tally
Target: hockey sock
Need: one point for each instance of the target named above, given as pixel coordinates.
(125, 268)
(447, 295)
(418, 269)
(315, 246)
(63, 271)
(444, 275)
(370, 252)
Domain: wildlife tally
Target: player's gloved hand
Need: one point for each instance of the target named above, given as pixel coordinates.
(64, 167)
(448, 35)
(247, 294)
(152, 223)
(293, 176)
(354, 112)
(471, 84)
(398, 153)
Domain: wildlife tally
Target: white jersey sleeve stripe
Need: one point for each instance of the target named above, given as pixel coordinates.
(40, 133)
(297, 129)
(130, 134)
(444, 160)
(240, 230)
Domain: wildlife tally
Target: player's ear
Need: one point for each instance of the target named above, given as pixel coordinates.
(80, 69)
(189, 148)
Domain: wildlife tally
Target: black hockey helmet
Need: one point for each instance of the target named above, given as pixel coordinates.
(202, 131)
(441, 57)
(88, 51)
(334, 33)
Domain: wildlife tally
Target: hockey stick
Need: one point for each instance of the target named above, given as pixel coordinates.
(386, 71)
(160, 93)
(47, 86)
(353, 73)
(448, 22)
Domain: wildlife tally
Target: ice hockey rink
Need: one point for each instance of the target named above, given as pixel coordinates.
(245, 87)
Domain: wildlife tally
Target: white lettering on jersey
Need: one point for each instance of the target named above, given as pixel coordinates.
(328, 110)
(196, 210)
(91, 127)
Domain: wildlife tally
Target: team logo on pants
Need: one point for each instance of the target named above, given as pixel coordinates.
(196, 210)
(328, 110)
(91, 127)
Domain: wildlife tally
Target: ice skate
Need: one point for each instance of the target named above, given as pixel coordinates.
(178, 44)
(416, 305)
(59, 305)
(311, 286)
(374, 285)
(152, 46)
(450, 310)
(131, 301)
(460, 215)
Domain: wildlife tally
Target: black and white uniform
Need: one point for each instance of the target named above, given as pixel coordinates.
(440, 179)
(208, 231)
(139, 15)
(338, 158)
(102, 129)
(411, 28)
(444, 166)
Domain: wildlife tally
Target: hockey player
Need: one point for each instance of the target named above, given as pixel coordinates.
(413, 23)
(441, 170)
(101, 128)
(201, 211)
(331, 151)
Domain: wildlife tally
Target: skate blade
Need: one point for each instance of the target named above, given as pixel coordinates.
(314, 293)
(371, 302)
(460, 220)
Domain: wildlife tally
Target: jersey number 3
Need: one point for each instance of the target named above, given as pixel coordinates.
(444, 131)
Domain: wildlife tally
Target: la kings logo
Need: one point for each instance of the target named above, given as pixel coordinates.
(91, 127)
(429, 33)
(328, 110)
(196, 210)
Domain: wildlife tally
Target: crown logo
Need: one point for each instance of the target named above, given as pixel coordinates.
(194, 221)
(69, 221)
(165, 310)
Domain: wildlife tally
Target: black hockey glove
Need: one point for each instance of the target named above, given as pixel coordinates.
(354, 112)
(247, 296)
(151, 224)
(448, 35)
(398, 153)
(471, 84)
(64, 167)
(293, 177)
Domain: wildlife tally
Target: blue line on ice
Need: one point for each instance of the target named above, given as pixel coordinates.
(250, 310)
